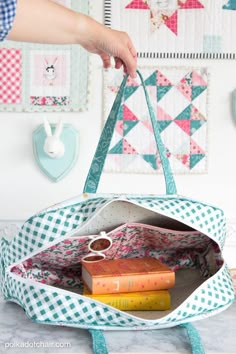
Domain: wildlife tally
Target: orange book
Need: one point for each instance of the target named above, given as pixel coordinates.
(127, 275)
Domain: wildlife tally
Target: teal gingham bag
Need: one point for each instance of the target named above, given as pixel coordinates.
(41, 268)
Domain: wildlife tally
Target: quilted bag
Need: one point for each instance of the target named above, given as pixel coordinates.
(41, 266)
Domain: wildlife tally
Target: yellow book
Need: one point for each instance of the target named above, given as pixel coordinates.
(135, 301)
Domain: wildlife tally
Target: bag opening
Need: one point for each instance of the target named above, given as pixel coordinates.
(191, 254)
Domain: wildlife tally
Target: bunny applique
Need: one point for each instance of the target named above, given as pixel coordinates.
(53, 146)
(50, 72)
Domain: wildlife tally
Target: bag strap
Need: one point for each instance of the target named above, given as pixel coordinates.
(194, 338)
(99, 343)
(99, 158)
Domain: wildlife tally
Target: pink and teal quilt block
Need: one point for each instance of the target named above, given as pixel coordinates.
(179, 97)
(176, 28)
(164, 12)
(44, 78)
(10, 76)
(230, 5)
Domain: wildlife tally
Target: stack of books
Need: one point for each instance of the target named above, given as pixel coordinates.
(129, 283)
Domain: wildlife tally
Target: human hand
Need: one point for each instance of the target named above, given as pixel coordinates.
(108, 43)
(61, 25)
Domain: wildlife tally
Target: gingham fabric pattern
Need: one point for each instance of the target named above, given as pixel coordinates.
(44, 228)
(7, 15)
(216, 290)
(53, 306)
(3, 245)
(46, 304)
(205, 218)
(10, 76)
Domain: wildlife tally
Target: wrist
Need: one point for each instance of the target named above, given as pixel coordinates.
(88, 32)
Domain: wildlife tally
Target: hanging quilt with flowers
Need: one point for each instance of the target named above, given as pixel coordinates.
(179, 96)
(176, 28)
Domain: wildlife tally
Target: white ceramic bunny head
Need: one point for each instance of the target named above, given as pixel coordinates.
(50, 69)
(53, 146)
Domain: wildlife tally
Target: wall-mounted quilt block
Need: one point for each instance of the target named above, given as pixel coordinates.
(50, 78)
(179, 97)
(37, 77)
(176, 28)
(10, 76)
(230, 5)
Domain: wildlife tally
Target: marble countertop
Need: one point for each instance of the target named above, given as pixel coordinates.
(18, 334)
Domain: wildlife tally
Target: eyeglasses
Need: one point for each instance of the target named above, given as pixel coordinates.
(96, 246)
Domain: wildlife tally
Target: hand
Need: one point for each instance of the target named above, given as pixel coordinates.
(108, 43)
(44, 21)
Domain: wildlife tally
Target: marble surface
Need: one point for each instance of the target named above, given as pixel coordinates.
(18, 334)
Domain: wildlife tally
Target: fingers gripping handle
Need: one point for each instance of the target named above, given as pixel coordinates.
(98, 162)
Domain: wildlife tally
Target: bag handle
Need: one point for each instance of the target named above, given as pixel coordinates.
(99, 158)
(100, 347)
(99, 342)
(194, 338)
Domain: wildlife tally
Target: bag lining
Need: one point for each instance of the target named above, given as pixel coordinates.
(191, 254)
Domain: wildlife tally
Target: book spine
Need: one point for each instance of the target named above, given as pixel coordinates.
(132, 283)
(159, 301)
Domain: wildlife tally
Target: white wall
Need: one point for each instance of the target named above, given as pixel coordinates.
(24, 190)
